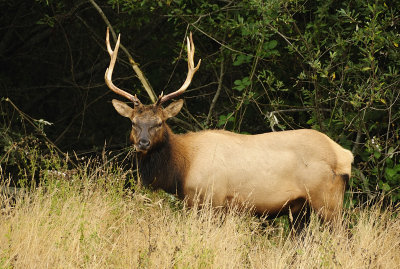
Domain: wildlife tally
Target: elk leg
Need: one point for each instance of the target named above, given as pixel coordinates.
(328, 202)
(300, 218)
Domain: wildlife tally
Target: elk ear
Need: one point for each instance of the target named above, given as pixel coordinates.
(122, 108)
(173, 109)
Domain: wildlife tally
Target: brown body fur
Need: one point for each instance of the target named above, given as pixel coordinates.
(272, 172)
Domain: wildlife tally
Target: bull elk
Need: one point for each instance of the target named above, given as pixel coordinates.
(274, 173)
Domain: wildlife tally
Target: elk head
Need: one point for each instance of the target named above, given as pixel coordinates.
(148, 121)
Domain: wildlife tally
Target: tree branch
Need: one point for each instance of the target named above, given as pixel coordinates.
(217, 93)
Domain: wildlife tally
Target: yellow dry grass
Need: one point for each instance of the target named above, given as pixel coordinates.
(91, 222)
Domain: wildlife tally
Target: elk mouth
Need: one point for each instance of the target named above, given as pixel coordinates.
(139, 150)
(142, 148)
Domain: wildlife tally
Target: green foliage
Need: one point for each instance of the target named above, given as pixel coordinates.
(241, 84)
(225, 119)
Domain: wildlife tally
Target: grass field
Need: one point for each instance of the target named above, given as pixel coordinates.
(88, 220)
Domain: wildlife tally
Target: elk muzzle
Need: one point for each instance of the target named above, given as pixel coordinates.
(144, 144)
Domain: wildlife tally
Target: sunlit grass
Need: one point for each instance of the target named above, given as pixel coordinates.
(87, 219)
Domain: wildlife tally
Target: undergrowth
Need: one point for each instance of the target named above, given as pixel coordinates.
(86, 217)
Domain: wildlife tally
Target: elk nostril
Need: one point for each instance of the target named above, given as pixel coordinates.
(144, 143)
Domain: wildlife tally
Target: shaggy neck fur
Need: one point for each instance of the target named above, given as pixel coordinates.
(164, 165)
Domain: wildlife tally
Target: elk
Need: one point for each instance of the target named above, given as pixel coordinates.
(273, 173)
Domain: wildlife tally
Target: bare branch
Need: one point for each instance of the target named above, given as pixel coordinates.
(217, 93)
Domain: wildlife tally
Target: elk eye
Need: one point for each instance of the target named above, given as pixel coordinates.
(157, 125)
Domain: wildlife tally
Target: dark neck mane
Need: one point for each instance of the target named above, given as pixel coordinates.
(163, 167)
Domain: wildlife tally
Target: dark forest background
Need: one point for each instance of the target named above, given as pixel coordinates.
(266, 66)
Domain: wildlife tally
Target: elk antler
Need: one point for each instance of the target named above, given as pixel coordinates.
(191, 70)
(110, 69)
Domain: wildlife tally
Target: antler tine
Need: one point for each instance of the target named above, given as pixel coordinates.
(192, 69)
(110, 69)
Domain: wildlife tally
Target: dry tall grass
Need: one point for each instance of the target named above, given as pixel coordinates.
(90, 221)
